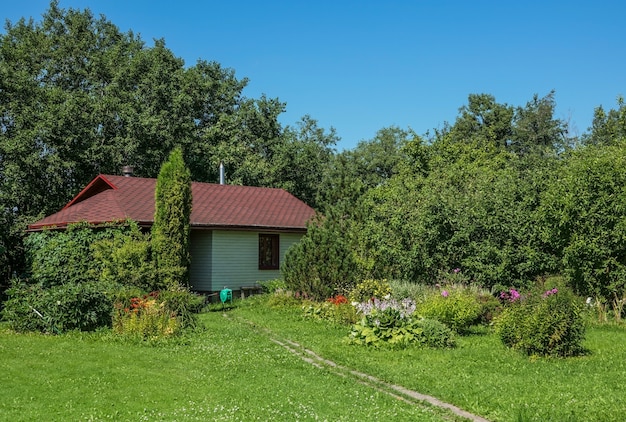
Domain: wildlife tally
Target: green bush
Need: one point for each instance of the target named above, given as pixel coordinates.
(82, 306)
(322, 263)
(283, 299)
(368, 289)
(389, 323)
(271, 286)
(66, 256)
(184, 304)
(402, 289)
(339, 313)
(413, 332)
(126, 259)
(179, 304)
(490, 308)
(458, 308)
(544, 323)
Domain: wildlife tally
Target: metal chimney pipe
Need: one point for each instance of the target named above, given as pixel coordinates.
(222, 174)
(127, 171)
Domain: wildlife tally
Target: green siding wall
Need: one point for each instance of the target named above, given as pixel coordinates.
(200, 250)
(230, 259)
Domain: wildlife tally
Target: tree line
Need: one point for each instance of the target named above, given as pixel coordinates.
(78, 97)
(504, 195)
(505, 192)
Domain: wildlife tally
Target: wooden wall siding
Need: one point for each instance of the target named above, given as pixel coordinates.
(235, 261)
(200, 250)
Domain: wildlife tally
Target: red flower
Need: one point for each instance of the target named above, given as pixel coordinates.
(338, 300)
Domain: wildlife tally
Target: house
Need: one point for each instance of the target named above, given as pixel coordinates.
(239, 234)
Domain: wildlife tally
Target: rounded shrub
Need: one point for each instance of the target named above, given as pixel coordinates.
(544, 323)
(457, 308)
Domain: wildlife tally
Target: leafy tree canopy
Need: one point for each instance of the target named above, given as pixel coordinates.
(79, 97)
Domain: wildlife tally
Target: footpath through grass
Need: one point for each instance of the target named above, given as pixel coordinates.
(229, 372)
(480, 375)
(232, 371)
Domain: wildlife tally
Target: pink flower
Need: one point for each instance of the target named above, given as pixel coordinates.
(444, 293)
(456, 270)
(550, 292)
(514, 295)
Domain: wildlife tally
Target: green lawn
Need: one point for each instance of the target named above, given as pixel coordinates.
(481, 375)
(229, 372)
(233, 371)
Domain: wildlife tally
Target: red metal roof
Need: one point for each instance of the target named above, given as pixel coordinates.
(110, 198)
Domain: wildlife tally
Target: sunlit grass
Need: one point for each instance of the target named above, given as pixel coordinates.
(229, 372)
(232, 371)
(481, 375)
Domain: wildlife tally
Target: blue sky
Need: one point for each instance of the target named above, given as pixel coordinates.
(360, 66)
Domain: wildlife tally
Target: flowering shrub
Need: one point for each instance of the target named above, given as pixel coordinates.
(145, 317)
(550, 292)
(544, 323)
(403, 308)
(458, 308)
(389, 323)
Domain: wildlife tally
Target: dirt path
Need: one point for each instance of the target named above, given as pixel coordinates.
(396, 391)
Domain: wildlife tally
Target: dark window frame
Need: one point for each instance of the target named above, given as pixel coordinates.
(269, 251)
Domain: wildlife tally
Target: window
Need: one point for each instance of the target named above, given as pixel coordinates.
(268, 251)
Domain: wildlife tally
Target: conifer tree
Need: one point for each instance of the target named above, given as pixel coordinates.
(170, 232)
(322, 264)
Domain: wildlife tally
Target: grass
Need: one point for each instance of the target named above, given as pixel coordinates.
(229, 372)
(481, 375)
(233, 371)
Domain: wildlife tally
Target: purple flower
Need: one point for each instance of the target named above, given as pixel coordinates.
(444, 293)
(550, 292)
(456, 270)
(514, 295)
(406, 307)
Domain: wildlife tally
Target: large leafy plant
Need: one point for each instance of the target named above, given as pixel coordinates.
(389, 323)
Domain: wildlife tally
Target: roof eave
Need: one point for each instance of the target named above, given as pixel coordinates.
(282, 229)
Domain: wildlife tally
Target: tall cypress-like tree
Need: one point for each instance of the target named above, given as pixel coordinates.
(170, 232)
